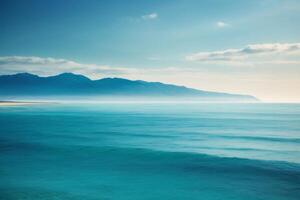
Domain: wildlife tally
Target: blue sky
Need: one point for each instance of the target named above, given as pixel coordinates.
(202, 44)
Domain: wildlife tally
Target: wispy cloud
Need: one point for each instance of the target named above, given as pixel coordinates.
(222, 24)
(271, 52)
(150, 16)
(51, 66)
(34, 60)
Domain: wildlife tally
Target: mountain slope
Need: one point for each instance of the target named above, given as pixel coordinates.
(68, 84)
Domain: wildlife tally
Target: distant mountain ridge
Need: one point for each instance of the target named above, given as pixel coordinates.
(69, 84)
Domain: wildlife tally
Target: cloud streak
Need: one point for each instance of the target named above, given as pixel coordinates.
(34, 60)
(221, 24)
(51, 66)
(150, 16)
(253, 51)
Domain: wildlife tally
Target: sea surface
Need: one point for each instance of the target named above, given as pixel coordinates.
(150, 151)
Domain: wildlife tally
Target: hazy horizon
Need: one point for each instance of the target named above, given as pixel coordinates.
(243, 47)
(126, 99)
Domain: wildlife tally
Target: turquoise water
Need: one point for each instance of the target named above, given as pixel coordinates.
(150, 151)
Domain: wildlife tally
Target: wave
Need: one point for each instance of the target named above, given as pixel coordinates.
(152, 155)
(273, 139)
(196, 162)
(183, 134)
(87, 166)
(242, 137)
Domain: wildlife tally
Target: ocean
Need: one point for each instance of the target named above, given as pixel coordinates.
(150, 151)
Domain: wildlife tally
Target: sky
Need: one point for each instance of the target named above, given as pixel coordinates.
(247, 47)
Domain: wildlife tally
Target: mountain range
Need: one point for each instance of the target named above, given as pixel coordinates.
(71, 85)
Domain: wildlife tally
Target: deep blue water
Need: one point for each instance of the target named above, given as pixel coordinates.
(150, 151)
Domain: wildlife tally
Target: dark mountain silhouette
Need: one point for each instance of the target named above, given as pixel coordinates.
(69, 84)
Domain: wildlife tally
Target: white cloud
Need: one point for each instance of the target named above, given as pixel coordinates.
(52, 66)
(34, 60)
(150, 16)
(274, 52)
(221, 24)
